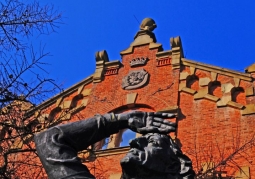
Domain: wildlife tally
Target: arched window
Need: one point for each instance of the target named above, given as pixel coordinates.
(127, 135)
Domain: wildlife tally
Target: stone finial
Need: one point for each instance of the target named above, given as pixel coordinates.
(144, 36)
(148, 24)
(101, 58)
(250, 69)
(177, 52)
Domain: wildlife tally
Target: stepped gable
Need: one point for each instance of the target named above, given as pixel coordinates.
(212, 103)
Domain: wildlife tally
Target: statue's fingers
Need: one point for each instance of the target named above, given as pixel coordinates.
(171, 115)
(164, 126)
(164, 115)
(156, 124)
(149, 121)
(165, 130)
(144, 130)
(164, 121)
(158, 114)
(158, 119)
(169, 123)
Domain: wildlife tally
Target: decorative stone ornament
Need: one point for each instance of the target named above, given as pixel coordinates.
(138, 61)
(135, 79)
(148, 24)
(101, 59)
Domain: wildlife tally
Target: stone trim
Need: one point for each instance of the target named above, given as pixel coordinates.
(200, 94)
(66, 92)
(237, 82)
(188, 90)
(215, 69)
(101, 59)
(181, 85)
(204, 81)
(184, 75)
(250, 69)
(224, 100)
(163, 61)
(211, 97)
(214, 76)
(131, 98)
(112, 68)
(86, 92)
(235, 105)
(243, 172)
(66, 104)
(112, 151)
(164, 54)
(113, 64)
(143, 37)
(249, 109)
(115, 176)
(17, 144)
(170, 109)
(111, 71)
(177, 51)
(249, 91)
(59, 100)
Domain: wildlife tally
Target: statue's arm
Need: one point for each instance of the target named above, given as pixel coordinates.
(57, 147)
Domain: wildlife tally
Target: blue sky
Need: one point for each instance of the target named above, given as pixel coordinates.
(220, 33)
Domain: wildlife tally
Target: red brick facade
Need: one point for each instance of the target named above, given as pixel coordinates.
(215, 107)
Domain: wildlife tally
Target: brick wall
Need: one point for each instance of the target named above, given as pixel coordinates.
(215, 108)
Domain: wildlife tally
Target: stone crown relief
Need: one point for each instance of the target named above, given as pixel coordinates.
(138, 61)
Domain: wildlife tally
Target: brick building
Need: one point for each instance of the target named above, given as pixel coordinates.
(215, 106)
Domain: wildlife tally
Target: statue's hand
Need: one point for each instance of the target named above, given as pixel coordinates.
(149, 122)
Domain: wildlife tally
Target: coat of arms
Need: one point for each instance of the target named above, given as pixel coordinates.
(135, 79)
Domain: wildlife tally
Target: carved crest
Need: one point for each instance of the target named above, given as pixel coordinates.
(138, 61)
(135, 79)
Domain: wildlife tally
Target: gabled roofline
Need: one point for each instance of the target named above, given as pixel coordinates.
(216, 69)
(66, 92)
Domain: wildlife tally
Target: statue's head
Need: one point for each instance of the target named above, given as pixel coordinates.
(155, 156)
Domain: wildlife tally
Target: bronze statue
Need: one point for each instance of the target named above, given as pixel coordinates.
(152, 156)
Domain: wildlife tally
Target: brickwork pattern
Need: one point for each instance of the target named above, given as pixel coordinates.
(211, 121)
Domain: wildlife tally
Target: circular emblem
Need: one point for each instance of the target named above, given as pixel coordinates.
(135, 79)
